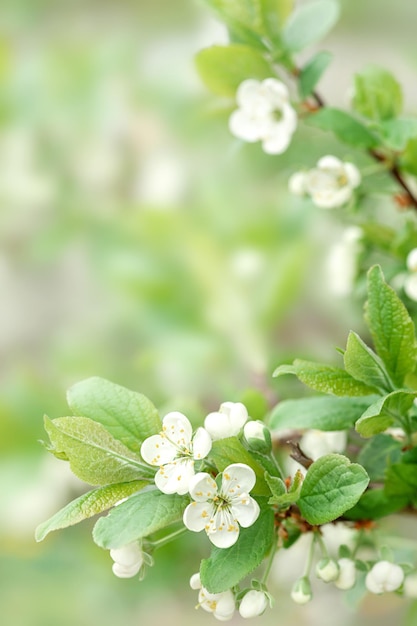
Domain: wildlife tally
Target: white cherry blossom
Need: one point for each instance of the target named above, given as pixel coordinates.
(264, 114)
(128, 560)
(327, 570)
(253, 603)
(175, 450)
(301, 592)
(222, 605)
(220, 511)
(384, 576)
(347, 574)
(330, 184)
(227, 421)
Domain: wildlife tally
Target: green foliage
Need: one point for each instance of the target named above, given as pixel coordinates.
(223, 68)
(376, 504)
(139, 516)
(281, 497)
(332, 486)
(127, 415)
(265, 17)
(397, 133)
(230, 450)
(401, 481)
(385, 412)
(227, 567)
(312, 71)
(378, 94)
(377, 454)
(309, 23)
(88, 505)
(346, 127)
(364, 365)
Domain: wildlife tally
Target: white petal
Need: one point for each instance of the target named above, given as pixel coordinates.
(329, 162)
(246, 511)
(277, 141)
(238, 478)
(410, 287)
(412, 260)
(353, 174)
(297, 183)
(121, 571)
(224, 529)
(201, 443)
(157, 450)
(347, 574)
(218, 426)
(275, 91)
(247, 92)
(195, 581)
(244, 126)
(202, 487)
(175, 477)
(225, 606)
(197, 515)
(253, 603)
(238, 415)
(177, 428)
(128, 555)
(331, 199)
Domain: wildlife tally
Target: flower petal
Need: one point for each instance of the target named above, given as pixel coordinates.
(248, 92)
(238, 414)
(246, 511)
(218, 425)
(224, 529)
(202, 487)
(177, 428)
(201, 443)
(225, 606)
(238, 478)
(329, 162)
(275, 91)
(245, 126)
(157, 450)
(197, 515)
(175, 477)
(353, 174)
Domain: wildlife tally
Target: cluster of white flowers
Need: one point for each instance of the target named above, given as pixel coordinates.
(264, 114)
(330, 184)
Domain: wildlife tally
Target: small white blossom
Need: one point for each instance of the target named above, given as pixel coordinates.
(327, 570)
(219, 511)
(330, 184)
(347, 574)
(264, 114)
(410, 282)
(227, 421)
(222, 605)
(384, 576)
(317, 443)
(254, 430)
(174, 450)
(128, 560)
(253, 603)
(301, 592)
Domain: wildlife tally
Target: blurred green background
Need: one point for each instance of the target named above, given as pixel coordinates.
(142, 243)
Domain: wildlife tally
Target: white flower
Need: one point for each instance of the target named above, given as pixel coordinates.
(327, 570)
(264, 114)
(175, 451)
(330, 184)
(347, 574)
(253, 603)
(220, 511)
(227, 421)
(128, 560)
(222, 605)
(342, 262)
(301, 592)
(317, 443)
(384, 576)
(410, 282)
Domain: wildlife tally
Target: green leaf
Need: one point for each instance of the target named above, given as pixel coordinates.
(383, 413)
(309, 23)
(127, 415)
(94, 454)
(141, 515)
(313, 71)
(391, 327)
(364, 365)
(261, 16)
(408, 160)
(88, 505)
(377, 454)
(346, 127)
(331, 486)
(377, 94)
(223, 68)
(230, 450)
(227, 567)
(398, 132)
(375, 504)
(284, 499)
(274, 15)
(325, 378)
(401, 481)
(323, 413)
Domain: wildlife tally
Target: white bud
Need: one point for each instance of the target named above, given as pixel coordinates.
(195, 581)
(412, 260)
(347, 574)
(384, 576)
(253, 603)
(127, 555)
(327, 570)
(301, 592)
(297, 183)
(410, 586)
(123, 571)
(227, 421)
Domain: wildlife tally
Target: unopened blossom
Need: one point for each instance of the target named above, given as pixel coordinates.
(257, 436)
(384, 576)
(330, 184)
(327, 570)
(264, 114)
(317, 443)
(342, 262)
(175, 450)
(301, 592)
(347, 574)
(253, 603)
(410, 282)
(222, 605)
(220, 511)
(228, 421)
(128, 560)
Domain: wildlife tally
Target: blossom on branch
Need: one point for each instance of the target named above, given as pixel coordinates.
(220, 510)
(175, 450)
(128, 560)
(384, 576)
(253, 603)
(264, 114)
(330, 184)
(228, 421)
(222, 605)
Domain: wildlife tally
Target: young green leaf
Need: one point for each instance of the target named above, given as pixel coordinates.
(309, 23)
(331, 486)
(283, 499)
(408, 160)
(398, 132)
(142, 514)
(312, 72)
(326, 378)
(323, 413)
(382, 414)
(364, 365)
(94, 454)
(230, 450)
(227, 567)
(377, 94)
(391, 327)
(88, 505)
(127, 415)
(223, 68)
(346, 127)
(401, 481)
(377, 454)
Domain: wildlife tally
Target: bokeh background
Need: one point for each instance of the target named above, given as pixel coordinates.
(140, 242)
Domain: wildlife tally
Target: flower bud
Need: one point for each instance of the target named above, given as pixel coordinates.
(327, 570)
(347, 574)
(253, 603)
(128, 560)
(384, 576)
(258, 436)
(227, 421)
(301, 592)
(410, 586)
